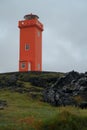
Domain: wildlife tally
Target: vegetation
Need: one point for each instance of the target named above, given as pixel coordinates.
(25, 109)
(25, 113)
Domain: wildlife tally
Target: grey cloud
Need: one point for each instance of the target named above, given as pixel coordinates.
(64, 36)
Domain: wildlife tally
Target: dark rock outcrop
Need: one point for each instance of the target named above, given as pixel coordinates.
(83, 105)
(67, 89)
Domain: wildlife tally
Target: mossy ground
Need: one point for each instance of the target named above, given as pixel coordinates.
(25, 113)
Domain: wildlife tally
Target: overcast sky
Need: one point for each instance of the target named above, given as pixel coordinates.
(64, 36)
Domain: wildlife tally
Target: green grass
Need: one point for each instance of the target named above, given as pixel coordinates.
(27, 85)
(22, 107)
(25, 113)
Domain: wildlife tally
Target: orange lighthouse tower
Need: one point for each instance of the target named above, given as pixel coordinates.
(30, 58)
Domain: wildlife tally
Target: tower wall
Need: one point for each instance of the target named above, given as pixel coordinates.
(30, 57)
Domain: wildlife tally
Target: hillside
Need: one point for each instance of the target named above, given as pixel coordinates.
(22, 105)
(32, 83)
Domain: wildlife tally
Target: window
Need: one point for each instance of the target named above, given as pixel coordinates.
(38, 66)
(38, 33)
(27, 47)
(23, 65)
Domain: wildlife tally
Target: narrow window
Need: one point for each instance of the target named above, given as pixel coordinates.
(27, 47)
(23, 65)
(38, 66)
(38, 33)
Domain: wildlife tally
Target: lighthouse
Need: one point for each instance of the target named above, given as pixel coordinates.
(30, 50)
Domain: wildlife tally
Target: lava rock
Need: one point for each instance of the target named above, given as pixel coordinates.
(66, 88)
(83, 105)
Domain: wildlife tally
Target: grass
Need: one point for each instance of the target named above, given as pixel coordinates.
(25, 113)
(65, 121)
(21, 108)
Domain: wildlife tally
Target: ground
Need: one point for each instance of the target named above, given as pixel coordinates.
(26, 111)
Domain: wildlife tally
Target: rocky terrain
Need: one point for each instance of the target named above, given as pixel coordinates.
(30, 83)
(58, 89)
(71, 89)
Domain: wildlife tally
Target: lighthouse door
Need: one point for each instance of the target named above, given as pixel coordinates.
(29, 66)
